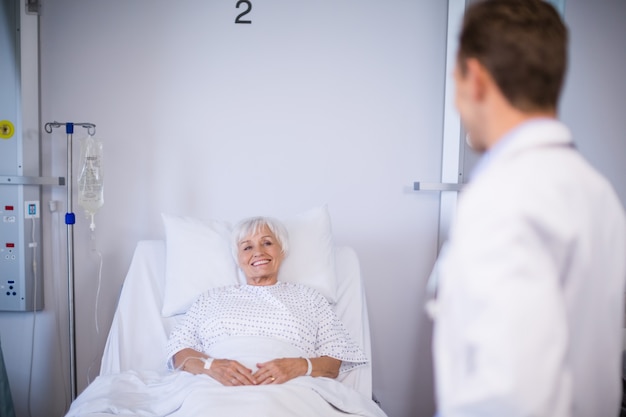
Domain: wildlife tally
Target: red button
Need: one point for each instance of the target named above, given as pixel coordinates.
(10, 245)
(8, 208)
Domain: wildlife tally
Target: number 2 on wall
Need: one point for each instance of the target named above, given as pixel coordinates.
(245, 12)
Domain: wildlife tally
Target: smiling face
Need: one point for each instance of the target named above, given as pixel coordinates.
(259, 256)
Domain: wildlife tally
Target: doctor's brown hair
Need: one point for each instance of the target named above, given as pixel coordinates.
(523, 45)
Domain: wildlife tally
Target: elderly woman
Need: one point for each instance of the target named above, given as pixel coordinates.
(264, 332)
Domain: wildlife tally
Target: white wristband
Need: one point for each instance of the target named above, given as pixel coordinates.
(309, 368)
(207, 362)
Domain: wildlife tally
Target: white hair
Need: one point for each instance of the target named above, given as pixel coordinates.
(252, 225)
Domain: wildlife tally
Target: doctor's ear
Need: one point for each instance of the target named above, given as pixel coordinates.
(476, 78)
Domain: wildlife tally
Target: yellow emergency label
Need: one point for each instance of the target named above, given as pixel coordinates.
(6, 129)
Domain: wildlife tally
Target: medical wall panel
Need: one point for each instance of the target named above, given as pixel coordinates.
(21, 287)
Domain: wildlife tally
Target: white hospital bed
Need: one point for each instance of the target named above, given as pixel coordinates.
(134, 381)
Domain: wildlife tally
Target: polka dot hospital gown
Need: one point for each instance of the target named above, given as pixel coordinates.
(290, 312)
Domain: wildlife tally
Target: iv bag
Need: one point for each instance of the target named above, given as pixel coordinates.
(90, 185)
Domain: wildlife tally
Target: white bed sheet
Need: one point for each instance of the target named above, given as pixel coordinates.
(181, 394)
(133, 374)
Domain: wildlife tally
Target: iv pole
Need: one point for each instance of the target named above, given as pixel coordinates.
(70, 220)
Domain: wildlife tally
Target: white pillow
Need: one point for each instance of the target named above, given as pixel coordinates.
(198, 257)
(311, 258)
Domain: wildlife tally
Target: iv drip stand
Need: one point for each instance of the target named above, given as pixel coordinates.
(70, 220)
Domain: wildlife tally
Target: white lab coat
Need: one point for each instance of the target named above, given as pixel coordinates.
(531, 286)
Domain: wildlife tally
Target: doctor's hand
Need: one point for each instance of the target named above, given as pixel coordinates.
(230, 373)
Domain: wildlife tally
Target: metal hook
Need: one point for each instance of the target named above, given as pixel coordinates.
(50, 125)
(91, 128)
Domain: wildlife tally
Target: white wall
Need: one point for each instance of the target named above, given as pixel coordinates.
(595, 91)
(336, 102)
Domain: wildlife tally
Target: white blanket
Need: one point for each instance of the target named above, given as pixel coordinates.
(181, 394)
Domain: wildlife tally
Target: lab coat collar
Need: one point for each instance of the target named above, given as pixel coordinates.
(534, 133)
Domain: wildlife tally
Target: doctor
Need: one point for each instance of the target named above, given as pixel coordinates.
(531, 285)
